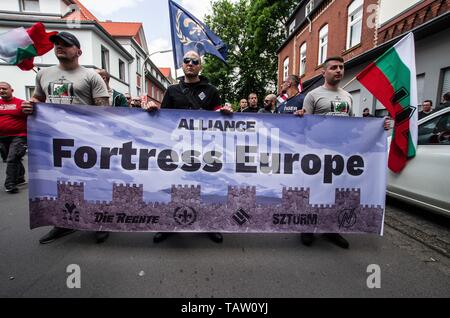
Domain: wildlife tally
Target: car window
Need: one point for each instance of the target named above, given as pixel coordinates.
(435, 131)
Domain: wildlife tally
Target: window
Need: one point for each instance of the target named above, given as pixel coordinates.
(121, 70)
(153, 91)
(291, 27)
(138, 65)
(138, 91)
(323, 44)
(354, 25)
(285, 69)
(309, 7)
(435, 131)
(302, 59)
(105, 59)
(420, 87)
(30, 5)
(29, 91)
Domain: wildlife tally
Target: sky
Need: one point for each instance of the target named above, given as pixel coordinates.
(154, 14)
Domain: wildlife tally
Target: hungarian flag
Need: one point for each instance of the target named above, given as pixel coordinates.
(392, 80)
(20, 46)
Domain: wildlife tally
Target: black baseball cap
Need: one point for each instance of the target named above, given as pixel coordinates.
(67, 37)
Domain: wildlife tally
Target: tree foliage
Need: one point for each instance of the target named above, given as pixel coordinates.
(253, 31)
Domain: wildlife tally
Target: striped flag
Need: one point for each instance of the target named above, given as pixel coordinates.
(392, 80)
(20, 46)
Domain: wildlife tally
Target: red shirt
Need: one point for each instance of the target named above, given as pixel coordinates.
(12, 121)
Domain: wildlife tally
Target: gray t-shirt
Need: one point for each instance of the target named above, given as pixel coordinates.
(79, 87)
(323, 101)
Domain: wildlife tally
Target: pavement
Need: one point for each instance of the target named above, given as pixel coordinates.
(191, 266)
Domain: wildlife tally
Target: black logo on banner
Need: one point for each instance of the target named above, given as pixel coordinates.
(241, 217)
(405, 113)
(70, 213)
(347, 218)
(399, 95)
(185, 215)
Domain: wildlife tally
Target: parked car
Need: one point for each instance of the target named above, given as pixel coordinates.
(425, 181)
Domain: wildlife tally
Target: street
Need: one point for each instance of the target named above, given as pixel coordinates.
(414, 258)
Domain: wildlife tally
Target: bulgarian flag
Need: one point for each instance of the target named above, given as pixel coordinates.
(20, 46)
(392, 80)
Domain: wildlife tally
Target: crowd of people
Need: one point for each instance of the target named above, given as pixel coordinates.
(70, 83)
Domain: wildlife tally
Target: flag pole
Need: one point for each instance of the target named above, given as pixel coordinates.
(351, 81)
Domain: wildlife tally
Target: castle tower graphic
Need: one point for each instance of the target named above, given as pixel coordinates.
(127, 194)
(345, 215)
(295, 199)
(241, 198)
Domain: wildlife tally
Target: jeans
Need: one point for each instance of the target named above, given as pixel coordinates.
(3, 153)
(15, 148)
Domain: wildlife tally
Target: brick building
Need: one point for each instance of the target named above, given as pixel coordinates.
(360, 31)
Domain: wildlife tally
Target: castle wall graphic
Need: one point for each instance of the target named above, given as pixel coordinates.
(187, 213)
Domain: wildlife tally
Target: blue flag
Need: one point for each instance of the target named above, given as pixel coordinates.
(190, 34)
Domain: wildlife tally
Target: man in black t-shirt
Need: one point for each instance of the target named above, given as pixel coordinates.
(252, 104)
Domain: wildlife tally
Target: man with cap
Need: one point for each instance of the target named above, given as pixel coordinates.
(71, 84)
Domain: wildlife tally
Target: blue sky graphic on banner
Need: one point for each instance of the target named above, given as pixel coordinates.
(107, 127)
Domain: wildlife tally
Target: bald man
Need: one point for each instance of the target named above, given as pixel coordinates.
(192, 92)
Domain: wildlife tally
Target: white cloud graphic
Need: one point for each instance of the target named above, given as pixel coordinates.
(103, 8)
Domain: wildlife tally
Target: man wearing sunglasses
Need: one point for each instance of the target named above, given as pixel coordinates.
(270, 103)
(192, 92)
(71, 84)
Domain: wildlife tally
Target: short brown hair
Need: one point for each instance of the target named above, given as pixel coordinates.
(333, 58)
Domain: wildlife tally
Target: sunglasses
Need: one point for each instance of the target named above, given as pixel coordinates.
(267, 101)
(188, 60)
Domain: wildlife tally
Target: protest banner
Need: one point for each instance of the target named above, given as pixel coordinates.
(120, 169)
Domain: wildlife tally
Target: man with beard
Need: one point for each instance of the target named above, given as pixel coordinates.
(71, 84)
(330, 99)
(270, 103)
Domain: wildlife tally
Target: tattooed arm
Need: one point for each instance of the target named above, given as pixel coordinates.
(101, 101)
